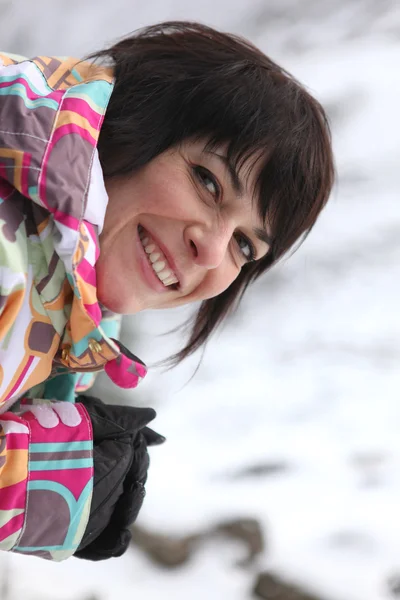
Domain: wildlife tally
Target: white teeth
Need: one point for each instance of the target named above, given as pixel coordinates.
(164, 274)
(154, 256)
(158, 266)
(170, 280)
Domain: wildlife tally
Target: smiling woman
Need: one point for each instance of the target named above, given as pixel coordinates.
(176, 166)
(221, 152)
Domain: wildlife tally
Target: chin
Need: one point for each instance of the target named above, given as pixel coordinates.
(111, 301)
(118, 303)
(109, 294)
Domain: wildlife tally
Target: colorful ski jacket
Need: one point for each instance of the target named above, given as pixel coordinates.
(53, 332)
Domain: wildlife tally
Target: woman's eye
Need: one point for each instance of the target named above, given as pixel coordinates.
(207, 180)
(245, 247)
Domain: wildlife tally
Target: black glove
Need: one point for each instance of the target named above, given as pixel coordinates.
(120, 440)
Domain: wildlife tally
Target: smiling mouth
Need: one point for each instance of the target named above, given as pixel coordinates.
(157, 260)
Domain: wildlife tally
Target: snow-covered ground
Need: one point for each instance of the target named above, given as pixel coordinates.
(307, 373)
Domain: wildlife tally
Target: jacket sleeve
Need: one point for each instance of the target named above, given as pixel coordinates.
(13, 302)
(46, 478)
(12, 291)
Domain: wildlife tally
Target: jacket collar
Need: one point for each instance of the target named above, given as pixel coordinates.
(63, 175)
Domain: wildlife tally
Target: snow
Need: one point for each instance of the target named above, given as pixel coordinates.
(306, 374)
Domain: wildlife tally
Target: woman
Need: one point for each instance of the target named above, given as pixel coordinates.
(179, 170)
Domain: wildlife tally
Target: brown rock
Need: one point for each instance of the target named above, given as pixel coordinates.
(271, 587)
(174, 551)
(165, 550)
(394, 585)
(248, 531)
(266, 469)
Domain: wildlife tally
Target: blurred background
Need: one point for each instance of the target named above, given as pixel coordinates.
(281, 475)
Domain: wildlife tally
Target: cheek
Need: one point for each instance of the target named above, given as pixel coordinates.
(167, 192)
(217, 281)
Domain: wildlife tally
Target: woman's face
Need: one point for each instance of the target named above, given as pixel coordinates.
(177, 231)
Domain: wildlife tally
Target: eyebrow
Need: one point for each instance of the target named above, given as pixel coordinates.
(237, 185)
(234, 177)
(262, 235)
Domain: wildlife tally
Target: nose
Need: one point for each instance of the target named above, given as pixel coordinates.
(208, 245)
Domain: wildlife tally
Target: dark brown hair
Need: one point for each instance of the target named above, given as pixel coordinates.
(180, 80)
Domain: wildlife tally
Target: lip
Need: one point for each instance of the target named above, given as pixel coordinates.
(148, 269)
